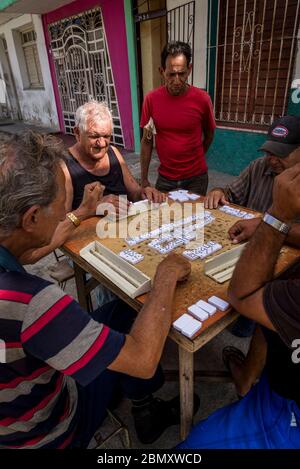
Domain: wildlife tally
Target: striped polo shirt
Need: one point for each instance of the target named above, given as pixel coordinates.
(51, 344)
(253, 187)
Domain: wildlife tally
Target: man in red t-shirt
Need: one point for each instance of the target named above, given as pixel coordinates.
(181, 118)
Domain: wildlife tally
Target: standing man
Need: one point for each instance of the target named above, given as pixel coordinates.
(181, 118)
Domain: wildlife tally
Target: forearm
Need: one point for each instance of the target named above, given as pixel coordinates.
(293, 237)
(146, 152)
(208, 141)
(257, 263)
(144, 344)
(63, 231)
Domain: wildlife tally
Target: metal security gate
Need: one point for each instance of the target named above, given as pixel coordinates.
(255, 56)
(83, 68)
(181, 26)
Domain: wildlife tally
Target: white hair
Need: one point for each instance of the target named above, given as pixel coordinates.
(92, 110)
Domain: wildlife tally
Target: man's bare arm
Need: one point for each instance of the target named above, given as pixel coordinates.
(146, 153)
(92, 195)
(257, 262)
(242, 230)
(144, 344)
(208, 138)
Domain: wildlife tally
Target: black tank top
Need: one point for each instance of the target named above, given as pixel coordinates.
(113, 181)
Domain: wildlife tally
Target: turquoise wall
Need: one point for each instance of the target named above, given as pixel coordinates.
(231, 150)
(293, 105)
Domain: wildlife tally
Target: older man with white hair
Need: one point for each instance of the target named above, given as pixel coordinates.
(92, 159)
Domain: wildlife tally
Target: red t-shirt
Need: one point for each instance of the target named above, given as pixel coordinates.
(179, 122)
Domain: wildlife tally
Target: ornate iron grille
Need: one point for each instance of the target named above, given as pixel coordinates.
(257, 43)
(181, 26)
(83, 68)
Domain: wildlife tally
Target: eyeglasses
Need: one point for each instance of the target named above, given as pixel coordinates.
(96, 137)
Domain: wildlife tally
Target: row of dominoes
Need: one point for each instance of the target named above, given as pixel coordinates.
(180, 236)
(182, 195)
(189, 324)
(168, 227)
(167, 247)
(236, 212)
(202, 251)
(131, 256)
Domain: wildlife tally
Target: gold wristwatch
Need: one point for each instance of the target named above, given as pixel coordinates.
(75, 220)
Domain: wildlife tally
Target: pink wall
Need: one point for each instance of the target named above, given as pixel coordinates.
(115, 28)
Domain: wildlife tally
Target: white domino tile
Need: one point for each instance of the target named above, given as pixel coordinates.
(210, 309)
(181, 322)
(235, 212)
(202, 251)
(131, 256)
(193, 196)
(218, 303)
(191, 329)
(187, 325)
(198, 313)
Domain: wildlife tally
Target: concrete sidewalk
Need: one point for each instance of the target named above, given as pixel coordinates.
(212, 394)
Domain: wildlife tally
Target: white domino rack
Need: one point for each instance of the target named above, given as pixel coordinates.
(128, 278)
(221, 267)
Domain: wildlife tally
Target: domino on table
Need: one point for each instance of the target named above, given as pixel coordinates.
(187, 325)
(192, 327)
(131, 256)
(202, 251)
(210, 309)
(180, 195)
(193, 196)
(220, 304)
(198, 313)
(236, 212)
(181, 322)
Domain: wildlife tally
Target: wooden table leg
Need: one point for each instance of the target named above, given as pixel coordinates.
(80, 279)
(186, 383)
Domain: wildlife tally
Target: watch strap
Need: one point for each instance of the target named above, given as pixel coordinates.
(276, 224)
(75, 220)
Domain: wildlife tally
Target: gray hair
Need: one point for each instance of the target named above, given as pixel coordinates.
(28, 167)
(92, 110)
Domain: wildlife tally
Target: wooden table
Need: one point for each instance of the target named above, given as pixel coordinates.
(197, 287)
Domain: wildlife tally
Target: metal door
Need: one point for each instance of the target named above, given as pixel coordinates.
(181, 26)
(83, 68)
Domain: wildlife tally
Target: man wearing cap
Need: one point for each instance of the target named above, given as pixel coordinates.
(253, 189)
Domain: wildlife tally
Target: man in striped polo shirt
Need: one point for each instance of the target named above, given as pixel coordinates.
(62, 367)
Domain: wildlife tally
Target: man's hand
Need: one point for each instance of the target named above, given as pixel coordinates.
(119, 203)
(214, 198)
(153, 195)
(175, 263)
(286, 195)
(91, 197)
(243, 230)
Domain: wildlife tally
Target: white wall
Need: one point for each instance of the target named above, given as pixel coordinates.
(200, 41)
(37, 105)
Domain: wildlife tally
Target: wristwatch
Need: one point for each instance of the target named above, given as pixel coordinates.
(75, 220)
(276, 224)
